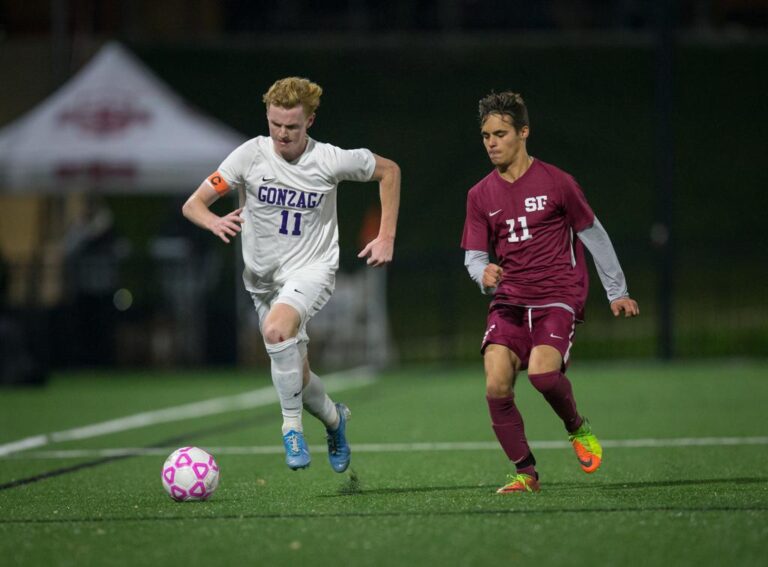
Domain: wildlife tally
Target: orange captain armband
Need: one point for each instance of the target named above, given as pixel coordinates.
(218, 183)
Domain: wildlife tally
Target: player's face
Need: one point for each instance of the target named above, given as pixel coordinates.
(503, 143)
(288, 130)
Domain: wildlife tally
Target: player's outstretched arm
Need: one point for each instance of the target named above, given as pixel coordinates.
(380, 250)
(197, 209)
(596, 239)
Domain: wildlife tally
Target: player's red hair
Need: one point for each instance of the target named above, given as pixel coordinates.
(292, 91)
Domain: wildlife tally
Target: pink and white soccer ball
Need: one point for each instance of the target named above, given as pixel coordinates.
(190, 473)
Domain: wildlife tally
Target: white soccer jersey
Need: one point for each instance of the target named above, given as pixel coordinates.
(289, 207)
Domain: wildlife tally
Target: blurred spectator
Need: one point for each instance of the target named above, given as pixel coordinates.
(19, 364)
(4, 277)
(92, 253)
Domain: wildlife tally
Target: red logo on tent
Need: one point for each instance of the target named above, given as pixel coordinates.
(105, 115)
(95, 171)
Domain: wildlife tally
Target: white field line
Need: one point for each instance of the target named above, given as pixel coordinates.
(398, 447)
(354, 378)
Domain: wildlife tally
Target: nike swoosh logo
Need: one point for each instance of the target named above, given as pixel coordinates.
(585, 463)
(297, 394)
(494, 213)
(554, 336)
(297, 291)
(266, 179)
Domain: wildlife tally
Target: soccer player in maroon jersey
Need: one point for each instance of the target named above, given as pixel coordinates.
(534, 218)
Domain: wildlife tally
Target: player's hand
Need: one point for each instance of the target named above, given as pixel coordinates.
(492, 276)
(228, 225)
(625, 304)
(379, 251)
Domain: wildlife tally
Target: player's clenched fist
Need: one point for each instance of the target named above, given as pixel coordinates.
(492, 275)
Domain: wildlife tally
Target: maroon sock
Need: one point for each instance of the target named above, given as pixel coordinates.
(510, 431)
(558, 392)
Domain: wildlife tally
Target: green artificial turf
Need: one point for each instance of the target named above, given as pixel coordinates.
(648, 505)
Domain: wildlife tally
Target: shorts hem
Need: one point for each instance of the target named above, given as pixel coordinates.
(287, 300)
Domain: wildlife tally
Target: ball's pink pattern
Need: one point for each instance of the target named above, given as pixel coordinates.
(178, 493)
(198, 490)
(190, 473)
(183, 461)
(201, 470)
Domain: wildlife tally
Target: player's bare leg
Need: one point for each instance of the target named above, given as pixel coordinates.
(545, 374)
(280, 327)
(501, 367)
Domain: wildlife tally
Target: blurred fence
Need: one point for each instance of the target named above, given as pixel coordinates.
(719, 310)
(176, 309)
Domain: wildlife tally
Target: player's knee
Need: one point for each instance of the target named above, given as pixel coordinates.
(271, 335)
(275, 333)
(544, 381)
(545, 359)
(497, 386)
(282, 323)
(498, 391)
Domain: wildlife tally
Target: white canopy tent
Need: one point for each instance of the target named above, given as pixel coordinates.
(113, 128)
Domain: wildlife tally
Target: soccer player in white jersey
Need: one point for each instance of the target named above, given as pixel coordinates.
(287, 215)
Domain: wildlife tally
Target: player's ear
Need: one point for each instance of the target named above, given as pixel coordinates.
(310, 120)
(524, 132)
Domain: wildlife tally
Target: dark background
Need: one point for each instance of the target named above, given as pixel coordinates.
(615, 90)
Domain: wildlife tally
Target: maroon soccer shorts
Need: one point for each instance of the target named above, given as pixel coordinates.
(522, 328)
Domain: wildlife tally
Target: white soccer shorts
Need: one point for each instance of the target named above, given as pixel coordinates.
(307, 291)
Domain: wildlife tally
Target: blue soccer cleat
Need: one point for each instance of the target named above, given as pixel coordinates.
(339, 452)
(296, 451)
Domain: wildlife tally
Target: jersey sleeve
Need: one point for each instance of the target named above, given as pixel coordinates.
(231, 173)
(351, 165)
(577, 210)
(476, 228)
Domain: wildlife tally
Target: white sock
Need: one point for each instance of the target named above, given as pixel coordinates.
(319, 404)
(286, 376)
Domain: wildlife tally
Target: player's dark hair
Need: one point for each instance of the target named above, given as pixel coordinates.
(506, 103)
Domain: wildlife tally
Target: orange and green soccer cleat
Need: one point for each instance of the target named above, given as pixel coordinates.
(520, 483)
(588, 449)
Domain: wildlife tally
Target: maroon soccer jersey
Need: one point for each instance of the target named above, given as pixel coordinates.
(530, 227)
